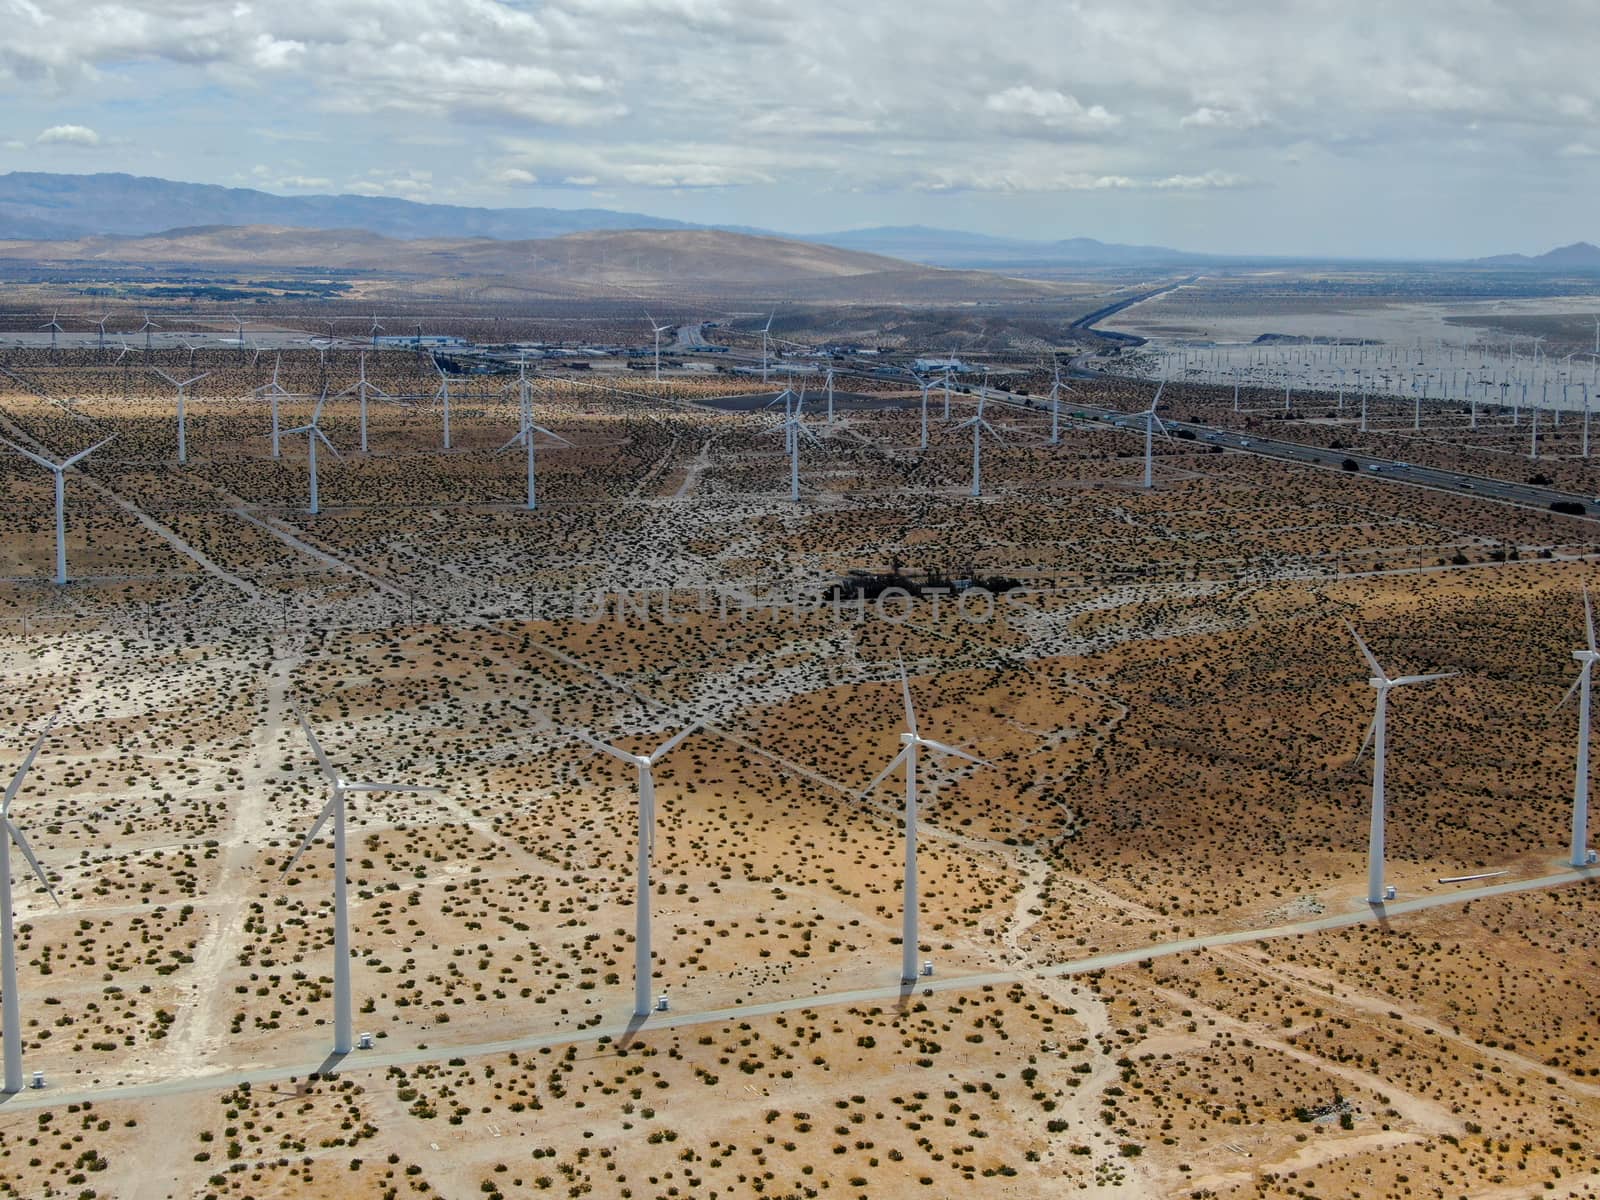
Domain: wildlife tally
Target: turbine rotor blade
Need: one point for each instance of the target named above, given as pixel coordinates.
(1372, 727)
(27, 853)
(415, 789)
(1588, 618)
(553, 436)
(316, 748)
(1377, 671)
(941, 748)
(323, 438)
(1424, 678)
(82, 454)
(27, 762)
(43, 462)
(311, 834)
(905, 692)
(606, 748)
(883, 774)
(1573, 690)
(671, 744)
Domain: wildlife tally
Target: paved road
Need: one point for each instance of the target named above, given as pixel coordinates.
(689, 337)
(380, 1060)
(1366, 464)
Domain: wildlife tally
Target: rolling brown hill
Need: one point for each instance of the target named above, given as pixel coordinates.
(597, 263)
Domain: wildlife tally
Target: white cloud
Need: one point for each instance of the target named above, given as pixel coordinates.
(68, 135)
(1013, 179)
(839, 109)
(513, 175)
(1208, 117)
(1050, 109)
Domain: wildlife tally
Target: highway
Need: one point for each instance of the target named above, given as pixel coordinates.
(1362, 913)
(1378, 468)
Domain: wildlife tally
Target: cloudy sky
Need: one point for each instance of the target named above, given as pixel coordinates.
(1400, 128)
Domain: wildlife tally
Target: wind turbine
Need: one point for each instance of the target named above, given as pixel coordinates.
(145, 329)
(1377, 735)
(924, 384)
(829, 381)
(645, 765)
(658, 330)
(373, 335)
(238, 325)
(979, 427)
(910, 742)
(273, 391)
(787, 396)
(766, 332)
(361, 387)
(183, 445)
(343, 1038)
(314, 434)
(1587, 656)
(102, 324)
(8, 939)
(793, 428)
(443, 394)
(1151, 423)
(59, 471)
(527, 435)
(1055, 406)
(54, 327)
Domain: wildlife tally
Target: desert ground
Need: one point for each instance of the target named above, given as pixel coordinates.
(1154, 969)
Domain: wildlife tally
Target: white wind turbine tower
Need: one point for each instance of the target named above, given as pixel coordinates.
(343, 1036)
(527, 435)
(829, 382)
(979, 427)
(1151, 424)
(314, 435)
(8, 939)
(183, 445)
(273, 392)
(102, 324)
(658, 330)
(238, 325)
(59, 471)
(54, 327)
(1055, 406)
(361, 387)
(443, 394)
(766, 337)
(645, 765)
(910, 742)
(1377, 735)
(793, 428)
(1588, 656)
(925, 385)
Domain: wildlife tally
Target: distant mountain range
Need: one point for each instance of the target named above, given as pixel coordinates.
(1580, 256)
(50, 207)
(947, 247)
(58, 207)
(600, 264)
